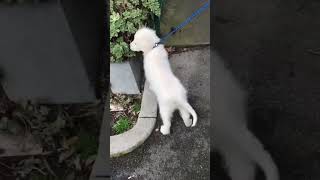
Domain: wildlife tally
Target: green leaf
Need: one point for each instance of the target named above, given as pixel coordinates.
(127, 16)
(122, 125)
(136, 107)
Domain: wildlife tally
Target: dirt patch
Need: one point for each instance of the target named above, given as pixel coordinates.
(125, 112)
(67, 134)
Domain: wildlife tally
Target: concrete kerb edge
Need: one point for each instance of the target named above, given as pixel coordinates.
(128, 141)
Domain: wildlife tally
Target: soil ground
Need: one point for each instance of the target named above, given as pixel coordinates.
(124, 106)
(69, 143)
(68, 135)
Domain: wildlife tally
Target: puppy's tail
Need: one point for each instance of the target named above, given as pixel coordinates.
(188, 107)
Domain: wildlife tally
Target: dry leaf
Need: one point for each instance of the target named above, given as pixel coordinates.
(76, 163)
(71, 176)
(44, 110)
(71, 141)
(116, 107)
(90, 160)
(3, 123)
(46, 164)
(65, 155)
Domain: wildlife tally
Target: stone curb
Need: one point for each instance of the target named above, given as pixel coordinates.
(128, 141)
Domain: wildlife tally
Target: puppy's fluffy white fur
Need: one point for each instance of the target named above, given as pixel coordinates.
(170, 93)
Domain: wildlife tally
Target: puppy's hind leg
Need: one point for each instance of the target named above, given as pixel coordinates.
(240, 167)
(166, 111)
(185, 116)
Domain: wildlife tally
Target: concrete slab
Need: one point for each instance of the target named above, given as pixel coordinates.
(122, 79)
(195, 33)
(128, 141)
(184, 154)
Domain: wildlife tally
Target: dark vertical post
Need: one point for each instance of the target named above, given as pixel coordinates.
(51, 51)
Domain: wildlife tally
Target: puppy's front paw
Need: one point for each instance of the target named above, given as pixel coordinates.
(165, 130)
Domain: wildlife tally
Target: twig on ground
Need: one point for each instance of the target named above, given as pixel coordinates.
(48, 167)
(4, 165)
(39, 170)
(4, 174)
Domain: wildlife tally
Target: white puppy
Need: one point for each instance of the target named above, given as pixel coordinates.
(170, 93)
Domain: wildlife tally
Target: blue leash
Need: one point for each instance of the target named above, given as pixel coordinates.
(187, 21)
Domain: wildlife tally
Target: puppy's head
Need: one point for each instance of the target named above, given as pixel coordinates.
(144, 40)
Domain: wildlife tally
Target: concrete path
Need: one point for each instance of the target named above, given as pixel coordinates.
(175, 12)
(185, 153)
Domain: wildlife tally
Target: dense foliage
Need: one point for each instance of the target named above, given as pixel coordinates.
(125, 18)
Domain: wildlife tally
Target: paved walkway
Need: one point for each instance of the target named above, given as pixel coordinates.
(185, 153)
(195, 33)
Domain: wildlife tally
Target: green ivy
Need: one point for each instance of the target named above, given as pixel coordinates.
(125, 19)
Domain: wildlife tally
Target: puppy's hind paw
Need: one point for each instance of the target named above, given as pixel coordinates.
(194, 123)
(187, 122)
(165, 130)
